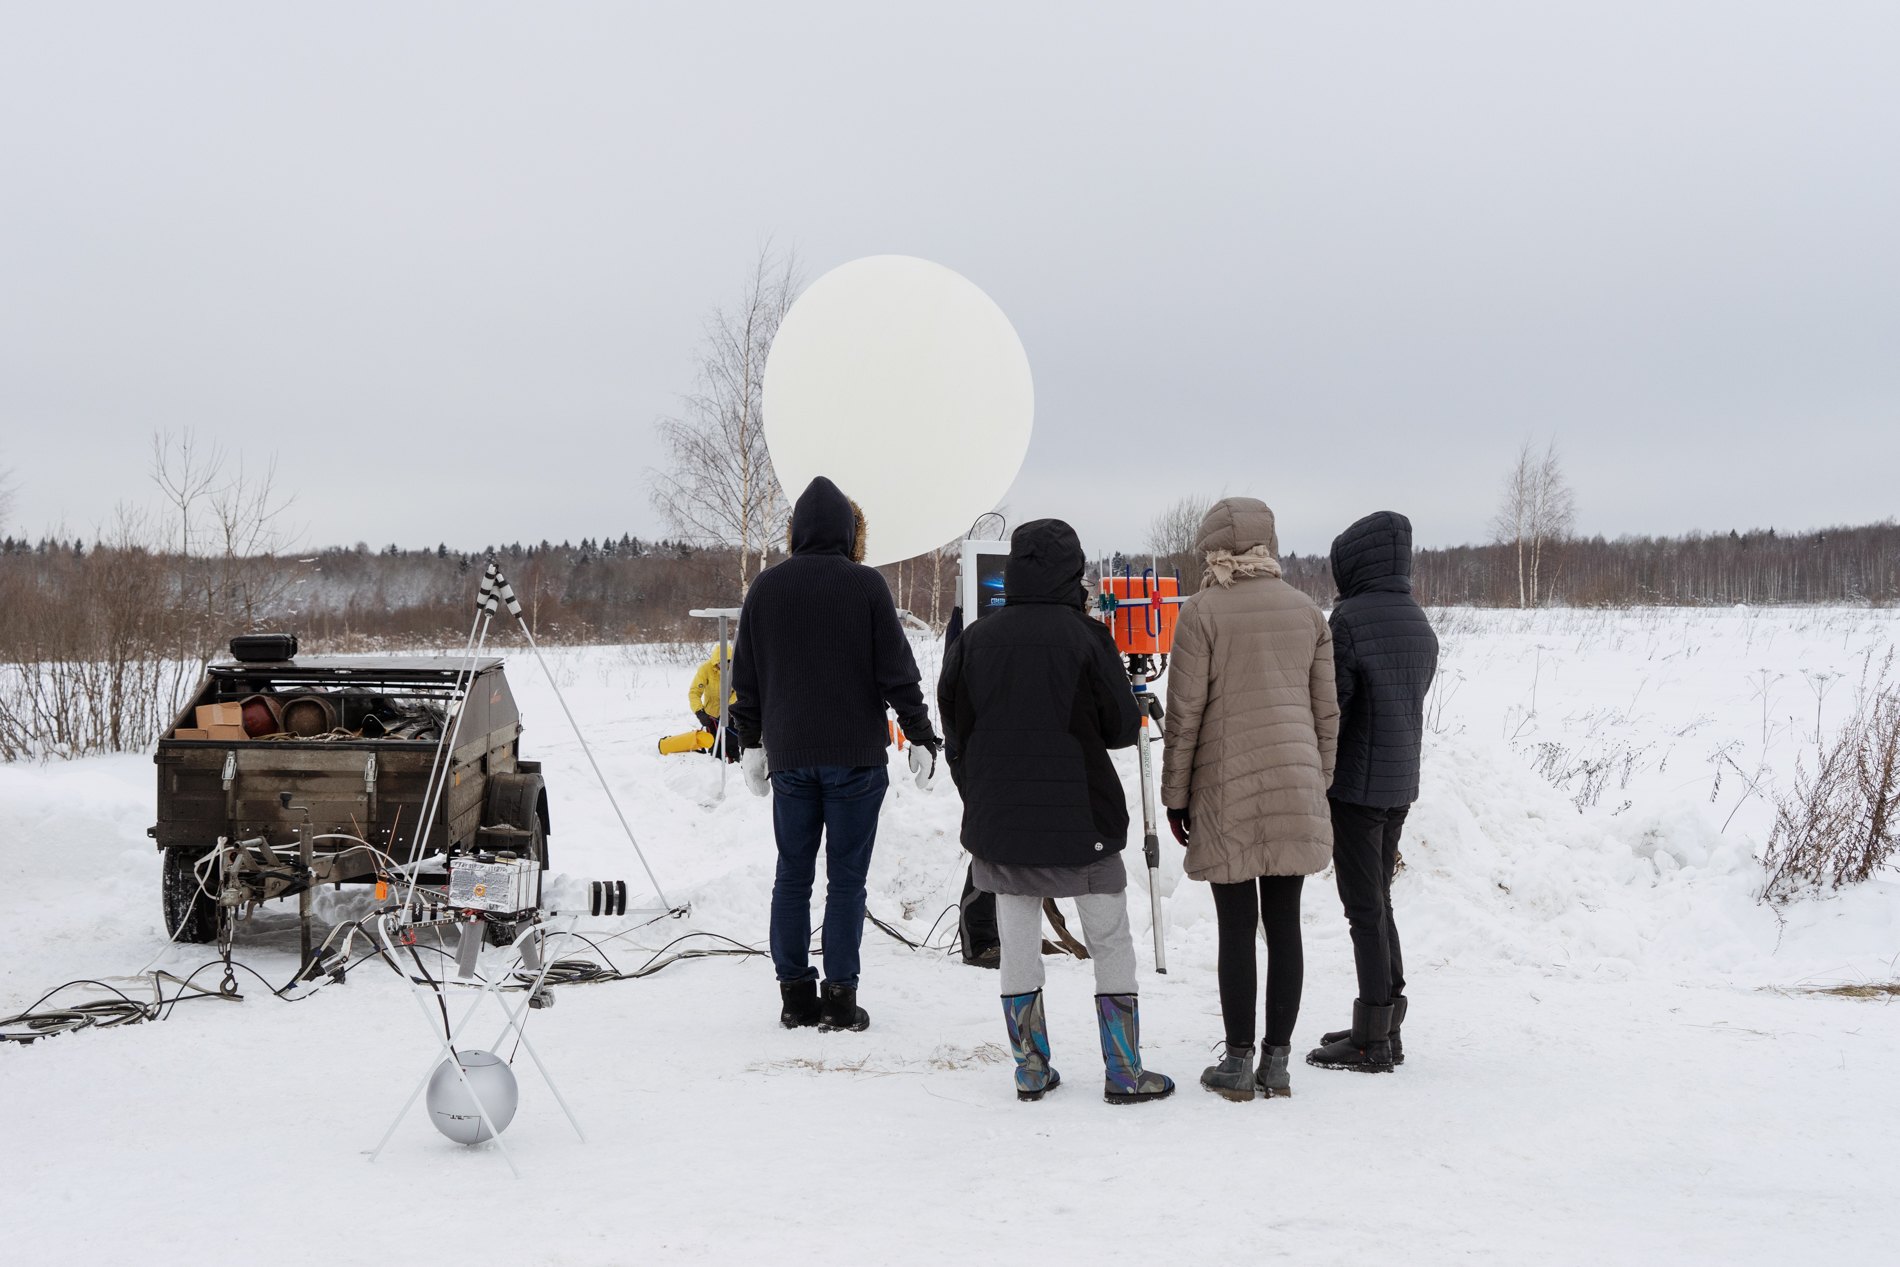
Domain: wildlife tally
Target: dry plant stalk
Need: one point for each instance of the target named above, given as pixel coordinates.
(1838, 824)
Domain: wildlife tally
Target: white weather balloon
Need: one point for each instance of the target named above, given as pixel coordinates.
(906, 385)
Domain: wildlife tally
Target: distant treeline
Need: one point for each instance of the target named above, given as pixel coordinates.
(63, 598)
(66, 597)
(1833, 565)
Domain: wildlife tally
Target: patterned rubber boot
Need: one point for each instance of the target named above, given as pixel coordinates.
(1126, 1082)
(1232, 1078)
(1273, 1079)
(1029, 1043)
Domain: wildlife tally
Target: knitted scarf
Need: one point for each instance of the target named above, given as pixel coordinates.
(1224, 567)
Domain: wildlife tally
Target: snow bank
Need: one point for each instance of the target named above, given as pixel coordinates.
(1582, 939)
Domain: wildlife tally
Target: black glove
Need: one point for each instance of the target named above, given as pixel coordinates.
(917, 731)
(707, 720)
(1178, 824)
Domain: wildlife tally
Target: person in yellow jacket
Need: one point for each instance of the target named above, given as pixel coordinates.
(703, 695)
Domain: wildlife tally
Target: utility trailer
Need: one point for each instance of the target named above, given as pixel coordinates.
(276, 814)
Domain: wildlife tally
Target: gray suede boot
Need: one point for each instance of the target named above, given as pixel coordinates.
(1232, 1078)
(1273, 1078)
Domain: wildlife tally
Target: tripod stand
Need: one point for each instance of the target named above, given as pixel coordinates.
(1141, 671)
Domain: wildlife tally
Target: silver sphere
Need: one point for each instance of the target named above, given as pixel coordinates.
(453, 1110)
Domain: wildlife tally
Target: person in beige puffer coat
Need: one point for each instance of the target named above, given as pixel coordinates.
(1250, 739)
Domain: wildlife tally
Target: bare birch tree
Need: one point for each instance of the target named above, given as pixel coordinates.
(1171, 537)
(719, 487)
(226, 530)
(1536, 512)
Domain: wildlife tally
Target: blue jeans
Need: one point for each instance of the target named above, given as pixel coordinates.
(841, 804)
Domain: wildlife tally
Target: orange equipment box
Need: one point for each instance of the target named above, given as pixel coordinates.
(1143, 620)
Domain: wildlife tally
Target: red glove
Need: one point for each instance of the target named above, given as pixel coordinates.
(1178, 824)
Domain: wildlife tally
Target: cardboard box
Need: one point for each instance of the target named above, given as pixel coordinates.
(226, 732)
(191, 732)
(210, 715)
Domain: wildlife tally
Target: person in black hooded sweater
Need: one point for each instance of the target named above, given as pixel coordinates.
(820, 653)
(1384, 657)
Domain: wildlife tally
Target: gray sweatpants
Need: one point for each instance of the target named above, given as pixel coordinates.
(1104, 929)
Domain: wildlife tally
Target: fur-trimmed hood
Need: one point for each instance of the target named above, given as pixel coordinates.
(825, 521)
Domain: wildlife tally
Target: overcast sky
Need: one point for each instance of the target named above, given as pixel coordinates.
(449, 262)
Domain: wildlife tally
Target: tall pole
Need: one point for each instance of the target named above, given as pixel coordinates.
(1150, 842)
(725, 698)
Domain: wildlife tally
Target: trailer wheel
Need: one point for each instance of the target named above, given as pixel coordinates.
(190, 916)
(519, 800)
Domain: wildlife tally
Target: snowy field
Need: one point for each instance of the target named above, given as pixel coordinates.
(1614, 1053)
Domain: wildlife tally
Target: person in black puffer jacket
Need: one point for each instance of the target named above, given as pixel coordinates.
(1032, 699)
(820, 654)
(1384, 657)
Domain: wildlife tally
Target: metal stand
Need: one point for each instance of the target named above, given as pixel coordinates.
(507, 593)
(494, 592)
(1140, 674)
(446, 1045)
(725, 616)
(451, 728)
(1144, 650)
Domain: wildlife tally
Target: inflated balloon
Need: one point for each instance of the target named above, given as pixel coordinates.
(906, 385)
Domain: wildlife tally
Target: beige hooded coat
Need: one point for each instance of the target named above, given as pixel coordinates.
(1253, 721)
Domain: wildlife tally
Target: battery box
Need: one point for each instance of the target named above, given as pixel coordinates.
(505, 886)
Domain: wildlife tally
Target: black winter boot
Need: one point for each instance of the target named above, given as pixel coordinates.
(800, 1003)
(1398, 1019)
(1366, 1048)
(841, 1010)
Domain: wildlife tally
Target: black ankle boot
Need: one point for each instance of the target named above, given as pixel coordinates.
(1366, 1048)
(800, 1003)
(1398, 1019)
(841, 1010)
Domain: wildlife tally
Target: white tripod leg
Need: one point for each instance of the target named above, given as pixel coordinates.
(1150, 843)
(446, 1043)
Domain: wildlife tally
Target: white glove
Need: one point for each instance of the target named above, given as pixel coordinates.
(923, 764)
(758, 779)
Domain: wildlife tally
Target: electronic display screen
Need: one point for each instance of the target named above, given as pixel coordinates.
(989, 583)
(980, 578)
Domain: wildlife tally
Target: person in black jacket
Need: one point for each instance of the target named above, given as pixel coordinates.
(1032, 698)
(1384, 657)
(820, 654)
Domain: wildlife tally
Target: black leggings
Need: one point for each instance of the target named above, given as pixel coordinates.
(1241, 913)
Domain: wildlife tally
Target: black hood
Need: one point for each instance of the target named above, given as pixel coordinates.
(825, 521)
(1374, 555)
(1045, 564)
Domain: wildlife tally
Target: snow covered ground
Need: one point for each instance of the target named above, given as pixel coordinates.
(1614, 1053)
